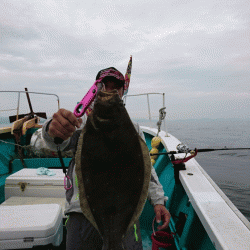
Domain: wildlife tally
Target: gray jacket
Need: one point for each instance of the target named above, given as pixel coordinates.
(155, 193)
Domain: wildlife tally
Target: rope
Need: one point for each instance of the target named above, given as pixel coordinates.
(33, 152)
(15, 144)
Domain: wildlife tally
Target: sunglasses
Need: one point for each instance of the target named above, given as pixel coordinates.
(118, 82)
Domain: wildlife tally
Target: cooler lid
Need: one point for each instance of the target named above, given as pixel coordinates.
(29, 175)
(37, 221)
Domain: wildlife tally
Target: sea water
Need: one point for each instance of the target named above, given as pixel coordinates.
(229, 169)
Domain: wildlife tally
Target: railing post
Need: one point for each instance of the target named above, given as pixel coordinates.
(164, 121)
(18, 106)
(149, 111)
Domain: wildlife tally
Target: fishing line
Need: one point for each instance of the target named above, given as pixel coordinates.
(58, 141)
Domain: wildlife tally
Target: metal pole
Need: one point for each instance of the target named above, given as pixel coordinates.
(164, 122)
(124, 100)
(149, 111)
(28, 98)
(18, 103)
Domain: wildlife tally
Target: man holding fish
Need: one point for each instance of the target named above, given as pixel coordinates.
(103, 212)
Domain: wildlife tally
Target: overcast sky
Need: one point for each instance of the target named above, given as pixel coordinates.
(196, 52)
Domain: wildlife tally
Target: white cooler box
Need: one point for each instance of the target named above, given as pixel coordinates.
(30, 225)
(27, 183)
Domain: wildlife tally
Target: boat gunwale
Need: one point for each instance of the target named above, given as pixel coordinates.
(170, 142)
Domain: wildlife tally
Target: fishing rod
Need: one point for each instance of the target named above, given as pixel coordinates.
(198, 150)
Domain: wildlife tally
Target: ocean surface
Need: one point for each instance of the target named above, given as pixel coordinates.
(229, 169)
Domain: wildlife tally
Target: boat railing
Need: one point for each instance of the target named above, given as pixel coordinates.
(151, 110)
(17, 108)
(150, 116)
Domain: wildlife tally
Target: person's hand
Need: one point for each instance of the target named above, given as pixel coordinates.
(63, 124)
(162, 214)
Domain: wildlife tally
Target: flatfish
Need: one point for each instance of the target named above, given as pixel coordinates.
(113, 168)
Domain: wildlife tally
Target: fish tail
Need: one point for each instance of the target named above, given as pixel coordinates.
(112, 246)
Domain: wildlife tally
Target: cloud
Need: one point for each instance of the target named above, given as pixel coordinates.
(190, 50)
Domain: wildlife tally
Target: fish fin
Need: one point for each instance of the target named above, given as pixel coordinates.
(147, 177)
(82, 196)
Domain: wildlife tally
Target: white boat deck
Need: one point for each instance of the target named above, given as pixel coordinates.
(227, 228)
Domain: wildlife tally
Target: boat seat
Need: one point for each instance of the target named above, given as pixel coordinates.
(16, 201)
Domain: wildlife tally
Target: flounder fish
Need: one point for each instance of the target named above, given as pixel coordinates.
(113, 169)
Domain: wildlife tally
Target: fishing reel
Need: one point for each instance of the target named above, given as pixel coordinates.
(182, 148)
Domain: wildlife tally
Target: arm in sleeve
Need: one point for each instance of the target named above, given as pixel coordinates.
(44, 140)
(155, 191)
(49, 141)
